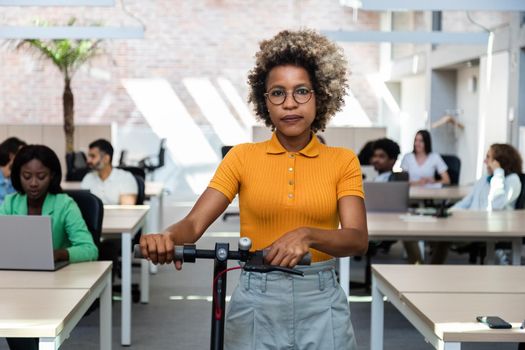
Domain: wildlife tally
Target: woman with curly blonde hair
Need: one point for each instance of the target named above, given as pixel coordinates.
(296, 196)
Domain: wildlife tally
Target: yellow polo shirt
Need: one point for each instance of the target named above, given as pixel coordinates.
(280, 191)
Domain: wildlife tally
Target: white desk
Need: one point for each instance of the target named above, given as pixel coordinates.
(454, 193)
(490, 227)
(125, 221)
(48, 305)
(470, 226)
(442, 302)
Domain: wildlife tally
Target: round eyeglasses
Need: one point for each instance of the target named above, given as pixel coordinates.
(300, 95)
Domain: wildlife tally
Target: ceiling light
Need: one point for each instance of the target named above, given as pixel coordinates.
(442, 5)
(57, 2)
(71, 32)
(465, 38)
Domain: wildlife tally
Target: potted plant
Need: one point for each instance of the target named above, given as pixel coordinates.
(68, 55)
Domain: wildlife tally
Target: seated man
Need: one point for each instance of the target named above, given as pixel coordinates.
(384, 156)
(111, 185)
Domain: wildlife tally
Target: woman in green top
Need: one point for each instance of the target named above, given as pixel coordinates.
(36, 176)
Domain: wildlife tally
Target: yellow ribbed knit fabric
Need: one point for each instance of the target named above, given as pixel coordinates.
(280, 191)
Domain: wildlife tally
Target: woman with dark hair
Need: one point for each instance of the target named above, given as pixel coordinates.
(36, 176)
(422, 164)
(295, 195)
(8, 149)
(500, 188)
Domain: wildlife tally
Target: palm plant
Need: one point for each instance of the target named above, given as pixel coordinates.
(68, 56)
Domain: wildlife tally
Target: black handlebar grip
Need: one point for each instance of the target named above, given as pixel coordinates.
(178, 253)
(305, 260)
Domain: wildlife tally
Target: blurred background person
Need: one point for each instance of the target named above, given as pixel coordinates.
(422, 164)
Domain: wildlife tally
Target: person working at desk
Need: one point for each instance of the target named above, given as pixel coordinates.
(422, 164)
(111, 185)
(498, 190)
(384, 156)
(36, 176)
(8, 150)
(293, 194)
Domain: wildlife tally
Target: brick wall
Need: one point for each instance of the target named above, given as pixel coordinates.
(198, 38)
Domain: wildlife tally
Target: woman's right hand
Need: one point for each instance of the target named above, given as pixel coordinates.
(159, 248)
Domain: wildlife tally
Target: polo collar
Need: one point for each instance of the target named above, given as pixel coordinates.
(311, 150)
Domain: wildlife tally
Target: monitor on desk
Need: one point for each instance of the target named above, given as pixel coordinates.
(387, 197)
(26, 243)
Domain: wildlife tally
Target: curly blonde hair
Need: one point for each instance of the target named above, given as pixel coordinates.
(323, 60)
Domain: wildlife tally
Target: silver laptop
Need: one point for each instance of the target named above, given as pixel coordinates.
(26, 243)
(369, 172)
(387, 196)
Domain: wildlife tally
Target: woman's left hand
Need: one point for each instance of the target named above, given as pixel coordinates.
(494, 164)
(288, 250)
(60, 255)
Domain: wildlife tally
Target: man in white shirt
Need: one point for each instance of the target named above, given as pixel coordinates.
(111, 185)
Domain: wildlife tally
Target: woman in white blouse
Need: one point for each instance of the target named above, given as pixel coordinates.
(421, 164)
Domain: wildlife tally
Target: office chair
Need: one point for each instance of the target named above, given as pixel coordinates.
(224, 151)
(454, 167)
(135, 170)
(92, 210)
(122, 158)
(141, 185)
(76, 166)
(149, 165)
(520, 202)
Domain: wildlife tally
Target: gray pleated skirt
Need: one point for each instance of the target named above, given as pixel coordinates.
(281, 311)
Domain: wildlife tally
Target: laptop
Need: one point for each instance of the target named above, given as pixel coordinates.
(26, 243)
(369, 172)
(387, 197)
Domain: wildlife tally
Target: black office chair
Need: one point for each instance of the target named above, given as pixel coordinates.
(520, 202)
(122, 158)
(135, 170)
(149, 164)
(454, 167)
(224, 151)
(141, 194)
(76, 166)
(92, 210)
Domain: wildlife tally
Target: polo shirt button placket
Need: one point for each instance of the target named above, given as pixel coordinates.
(291, 176)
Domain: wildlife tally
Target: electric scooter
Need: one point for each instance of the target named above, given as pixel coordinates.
(249, 261)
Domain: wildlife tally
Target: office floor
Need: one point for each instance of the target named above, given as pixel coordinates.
(178, 315)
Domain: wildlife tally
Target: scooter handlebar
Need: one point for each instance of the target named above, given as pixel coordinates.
(179, 254)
